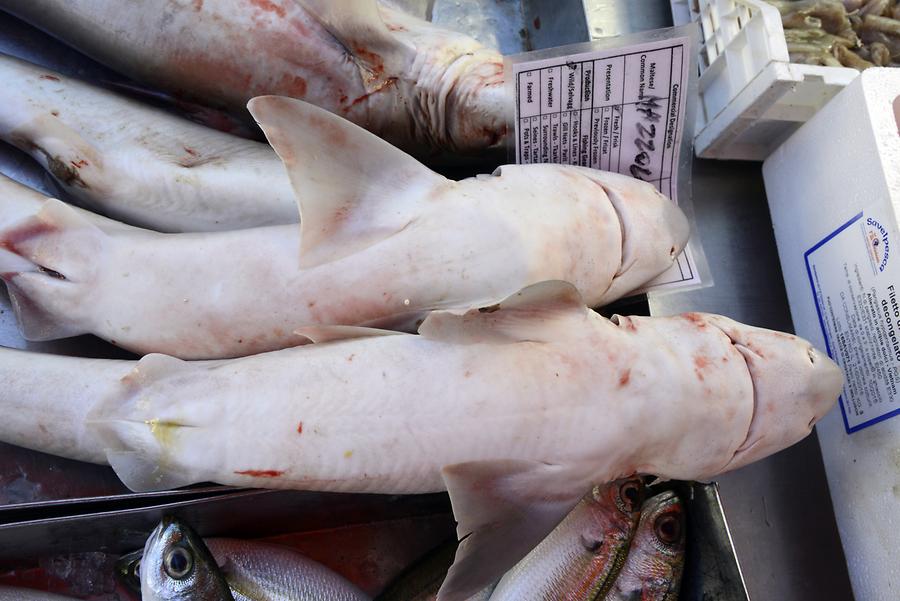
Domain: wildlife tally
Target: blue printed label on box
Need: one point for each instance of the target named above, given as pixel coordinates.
(855, 281)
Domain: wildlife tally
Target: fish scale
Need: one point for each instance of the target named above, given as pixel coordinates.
(9, 593)
(260, 572)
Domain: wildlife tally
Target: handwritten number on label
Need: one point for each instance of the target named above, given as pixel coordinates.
(644, 146)
(645, 142)
(639, 172)
(646, 133)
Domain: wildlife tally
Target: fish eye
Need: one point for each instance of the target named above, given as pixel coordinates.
(668, 529)
(630, 493)
(136, 569)
(178, 563)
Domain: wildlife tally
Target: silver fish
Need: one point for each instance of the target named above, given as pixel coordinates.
(177, 566)
(581, 558)
(655, 562)
(421, 87)
(261, 572)
(11, 593)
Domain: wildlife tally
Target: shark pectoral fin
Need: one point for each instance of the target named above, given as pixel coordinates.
(49, 260)
(320, 334)
(353, 188)
(17, 201)
(358, 27)
(503, 509)
(541, 313)
(141, 430)
(142, 474)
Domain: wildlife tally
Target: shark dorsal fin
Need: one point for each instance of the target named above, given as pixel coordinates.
(353, 188)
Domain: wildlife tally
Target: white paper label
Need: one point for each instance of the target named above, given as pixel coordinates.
(855, 282)
(617, 110)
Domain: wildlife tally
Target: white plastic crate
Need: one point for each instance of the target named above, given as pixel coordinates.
(752, 98)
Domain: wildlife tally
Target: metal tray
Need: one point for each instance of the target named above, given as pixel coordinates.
(369, 539)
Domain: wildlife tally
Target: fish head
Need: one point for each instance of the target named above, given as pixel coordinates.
(794, 386)
(612, 512)
(654, 230)
(177, 566)
(618, 503)
(657, 555)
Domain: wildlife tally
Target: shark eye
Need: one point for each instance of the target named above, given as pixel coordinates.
(668, 529)
(178, 563)
(811, 353)
(630, 494)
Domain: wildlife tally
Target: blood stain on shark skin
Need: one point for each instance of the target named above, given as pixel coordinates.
(269, 6)
(261, 473)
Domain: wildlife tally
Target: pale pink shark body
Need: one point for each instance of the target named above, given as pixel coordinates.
(423, 88)
(382, 241)
(516, 412)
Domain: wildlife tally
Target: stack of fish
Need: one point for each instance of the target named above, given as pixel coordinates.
(849, 33)
(263, 363)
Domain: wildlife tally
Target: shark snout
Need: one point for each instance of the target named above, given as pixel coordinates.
(827, 382)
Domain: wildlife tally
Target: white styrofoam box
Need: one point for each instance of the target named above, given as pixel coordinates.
(834, 196)
(752, 97)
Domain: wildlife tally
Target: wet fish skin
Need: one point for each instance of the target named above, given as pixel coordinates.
(424, 88)
(539, 378)
(177, 566)
(10, 593)
(139, 164)
(257, 571)
(655, 562)
(581, 558)
(383, 241)
(261, 572)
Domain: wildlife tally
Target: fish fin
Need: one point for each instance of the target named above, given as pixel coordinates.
(358, 26)
(17, 201)
(49, 260)
(142, 474)
(320, 334)
(538, 313)
(503, 510)
(155, 367)
(353, 188)
(35, 322)
(139, 432)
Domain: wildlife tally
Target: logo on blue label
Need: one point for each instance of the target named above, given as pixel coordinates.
(878, 243)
